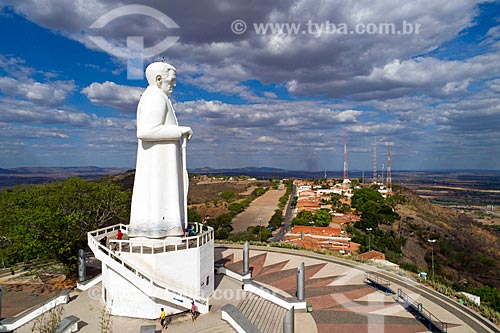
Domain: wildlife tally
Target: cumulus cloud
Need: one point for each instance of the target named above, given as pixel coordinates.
(30, 132)
(270, 94)
(24, 100)
(331, 65)
(267, 139)
(278, 115)
(124, 98)
(396, 87)
(52, 93)
(27, 112)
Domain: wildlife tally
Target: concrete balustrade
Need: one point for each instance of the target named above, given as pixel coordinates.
(151, 246)
(11, 324)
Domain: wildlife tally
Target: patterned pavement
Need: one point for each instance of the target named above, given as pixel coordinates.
(341, 301)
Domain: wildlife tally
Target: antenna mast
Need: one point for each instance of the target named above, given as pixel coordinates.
(389, 177)
(375, 161)
(345, 158)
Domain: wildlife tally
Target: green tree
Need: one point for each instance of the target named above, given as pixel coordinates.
(227, 195)
(366, 196)
(259, 233)
(221, 233)
(236, 207)
(258, 191)
(322, 218)
(303, 218)
(193, 216)
(277, 219)
(373, 209)
(52, 220)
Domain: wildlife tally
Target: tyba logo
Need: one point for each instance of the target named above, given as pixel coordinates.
(135, 52)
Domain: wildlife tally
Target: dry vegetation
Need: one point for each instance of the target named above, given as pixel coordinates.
(466, 251)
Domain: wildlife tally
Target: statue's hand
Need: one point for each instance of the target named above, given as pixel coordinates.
(186, 132)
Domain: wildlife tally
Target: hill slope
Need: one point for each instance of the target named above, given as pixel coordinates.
(465, 250)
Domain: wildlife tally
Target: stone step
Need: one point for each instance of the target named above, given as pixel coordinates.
(277, 324)
(219, 328)
(251, 305)
(243, 304)
(265, 315)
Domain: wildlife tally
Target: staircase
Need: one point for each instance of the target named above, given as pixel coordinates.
(219, 328)
(141, 279)
(265, 315)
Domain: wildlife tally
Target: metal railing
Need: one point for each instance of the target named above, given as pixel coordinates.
(378, 282)
(154, 288)
(423, 315)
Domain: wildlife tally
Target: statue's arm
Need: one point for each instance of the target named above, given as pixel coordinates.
(151, 115)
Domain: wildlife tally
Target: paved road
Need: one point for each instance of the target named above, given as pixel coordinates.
(258, 212)
(280, 235)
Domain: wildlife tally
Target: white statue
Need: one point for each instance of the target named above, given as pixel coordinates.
(159, 200)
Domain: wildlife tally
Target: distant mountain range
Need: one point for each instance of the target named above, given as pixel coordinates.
(36, 175)
(264, 172)
(60, 170)
(39, 175)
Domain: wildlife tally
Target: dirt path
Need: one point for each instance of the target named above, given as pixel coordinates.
(261, 208)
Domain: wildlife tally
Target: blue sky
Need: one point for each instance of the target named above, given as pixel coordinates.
(252, 99)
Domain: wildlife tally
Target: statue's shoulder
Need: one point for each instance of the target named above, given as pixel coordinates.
(153, 95)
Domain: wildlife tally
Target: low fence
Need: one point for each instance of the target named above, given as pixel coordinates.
(378, 282)
(422, 315)
(11, 324)
(266, 293)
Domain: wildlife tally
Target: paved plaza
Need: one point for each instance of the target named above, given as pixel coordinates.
(340, 299)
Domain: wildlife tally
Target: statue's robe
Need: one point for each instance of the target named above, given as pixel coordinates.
(160, 182)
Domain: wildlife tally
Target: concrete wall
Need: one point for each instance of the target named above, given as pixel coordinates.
(122, 298)
(185, 270)
(207, 269)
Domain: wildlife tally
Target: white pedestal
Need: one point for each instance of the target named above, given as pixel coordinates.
(191, 271)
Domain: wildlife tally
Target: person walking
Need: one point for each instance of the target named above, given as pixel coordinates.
(193, 311)
(163, 319)
(119, 237)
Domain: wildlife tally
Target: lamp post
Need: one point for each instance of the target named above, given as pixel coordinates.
(260, 229)
(369, 241)
(432, 241)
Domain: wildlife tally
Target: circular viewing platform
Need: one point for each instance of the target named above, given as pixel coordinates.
(197, 236)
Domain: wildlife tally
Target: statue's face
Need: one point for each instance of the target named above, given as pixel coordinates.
(168, 81)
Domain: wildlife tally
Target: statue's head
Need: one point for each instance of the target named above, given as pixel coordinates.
(161, 75)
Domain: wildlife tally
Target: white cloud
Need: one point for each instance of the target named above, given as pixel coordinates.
(267, 139)
(52, 93)
(270, 94)
(9, 131)
(309, 65)
(124, 98)
(278, 115)
(388, 86)
(27, 112)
